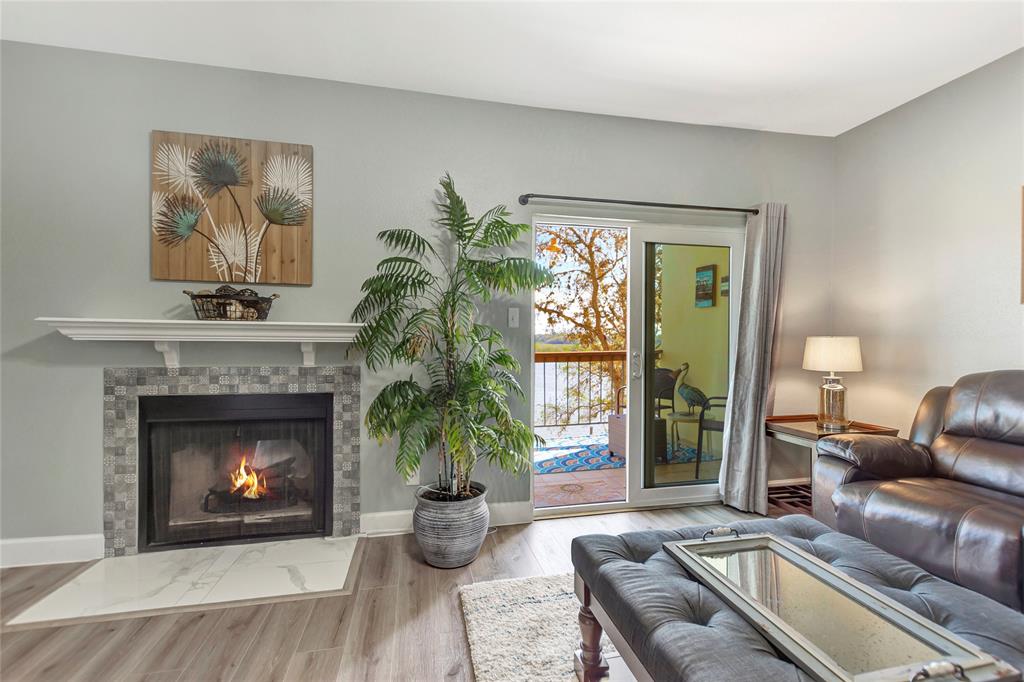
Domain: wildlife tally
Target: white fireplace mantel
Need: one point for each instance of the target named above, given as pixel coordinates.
(166, 335)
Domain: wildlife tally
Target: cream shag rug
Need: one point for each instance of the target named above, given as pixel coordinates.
(523, 629)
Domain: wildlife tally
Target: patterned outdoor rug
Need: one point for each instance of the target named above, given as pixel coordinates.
(523, 629)
(595, 456)
(584, 457)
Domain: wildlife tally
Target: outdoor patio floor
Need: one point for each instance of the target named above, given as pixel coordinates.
(594, 486)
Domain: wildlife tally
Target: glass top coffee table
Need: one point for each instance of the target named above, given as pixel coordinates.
(831, 626)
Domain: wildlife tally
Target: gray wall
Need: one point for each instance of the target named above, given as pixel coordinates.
(926, 263)
(75, 212)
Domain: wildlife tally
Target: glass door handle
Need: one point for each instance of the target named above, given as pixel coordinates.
(637, 365)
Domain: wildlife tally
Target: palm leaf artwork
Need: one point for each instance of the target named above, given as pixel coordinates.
(420, 309)
(217, 166)
(177, 219)
(281, 207)
(232, 241)
(292, 174)
(173, 164)
(192, 176)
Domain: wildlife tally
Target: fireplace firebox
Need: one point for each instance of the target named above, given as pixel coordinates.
(220, 469)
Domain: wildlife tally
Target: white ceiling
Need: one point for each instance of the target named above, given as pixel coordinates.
(818, 68)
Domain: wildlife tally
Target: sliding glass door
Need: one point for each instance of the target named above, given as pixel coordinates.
(681, 347)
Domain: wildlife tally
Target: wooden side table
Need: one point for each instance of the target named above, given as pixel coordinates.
(802, 429)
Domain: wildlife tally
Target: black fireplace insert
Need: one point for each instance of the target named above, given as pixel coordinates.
(219, 469)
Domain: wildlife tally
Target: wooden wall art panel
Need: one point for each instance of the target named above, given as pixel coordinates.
(231, 210)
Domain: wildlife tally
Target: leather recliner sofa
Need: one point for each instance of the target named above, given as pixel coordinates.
(951, 497)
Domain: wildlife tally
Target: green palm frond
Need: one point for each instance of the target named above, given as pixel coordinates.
(281, 206)
(217, 165)
(494, 229)
(420, 308)
(454, 213)
(406, 241)
(510, 275)
(177, 219)
(417, 432)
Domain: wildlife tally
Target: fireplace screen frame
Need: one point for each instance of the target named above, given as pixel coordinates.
(235, 407)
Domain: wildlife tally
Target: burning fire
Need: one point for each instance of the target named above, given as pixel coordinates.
(252, 483)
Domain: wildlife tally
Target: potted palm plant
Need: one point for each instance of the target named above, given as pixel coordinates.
(420, 310)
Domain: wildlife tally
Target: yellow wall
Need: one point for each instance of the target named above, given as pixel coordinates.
(699, 336)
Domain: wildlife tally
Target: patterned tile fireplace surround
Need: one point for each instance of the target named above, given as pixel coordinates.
(122, 387)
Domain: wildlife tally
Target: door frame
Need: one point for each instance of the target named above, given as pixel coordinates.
(735, 265)
(684, 235)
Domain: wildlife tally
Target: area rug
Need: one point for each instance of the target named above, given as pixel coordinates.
(685, 454)
(587, 457)
(523, 629)
(595, 456)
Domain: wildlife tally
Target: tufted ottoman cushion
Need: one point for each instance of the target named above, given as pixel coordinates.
(681, 630)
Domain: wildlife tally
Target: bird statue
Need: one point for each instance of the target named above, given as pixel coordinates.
(694, 397)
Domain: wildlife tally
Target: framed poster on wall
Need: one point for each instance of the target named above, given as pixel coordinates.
(705, 286)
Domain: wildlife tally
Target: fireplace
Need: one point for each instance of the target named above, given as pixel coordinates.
(218, 469)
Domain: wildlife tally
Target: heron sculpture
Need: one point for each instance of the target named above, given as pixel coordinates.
(693, 396)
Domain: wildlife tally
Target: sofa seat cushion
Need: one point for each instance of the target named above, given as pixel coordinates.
(680, 630)
(964, 533)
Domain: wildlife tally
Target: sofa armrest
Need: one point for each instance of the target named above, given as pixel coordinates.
(830, 473)
(880, 456)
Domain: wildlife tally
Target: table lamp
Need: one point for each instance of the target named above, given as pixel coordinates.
(832, 354)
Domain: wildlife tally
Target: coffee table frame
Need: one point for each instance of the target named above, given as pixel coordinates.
(977, 665)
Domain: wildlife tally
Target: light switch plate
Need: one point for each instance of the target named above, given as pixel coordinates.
(513, 317)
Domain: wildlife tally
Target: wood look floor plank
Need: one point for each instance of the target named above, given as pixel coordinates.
(165, 676)
(328, 623)
(380, 567)
(513, 543)
(372, 642)
(322, 665)
(418, 616)
(271, 651)
(551, 541)
(403, 623)
(122, 654)
(188, 633)
(224, 651)
(454, 659)
(58, 657)
(15, 647)
(447, 583)
(24, 585)
(505, 554)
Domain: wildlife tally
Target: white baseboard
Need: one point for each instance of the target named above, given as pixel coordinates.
(54, 549)
(400, 522)
(386, 523)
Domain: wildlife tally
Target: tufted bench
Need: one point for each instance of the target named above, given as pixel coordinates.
(679, 630)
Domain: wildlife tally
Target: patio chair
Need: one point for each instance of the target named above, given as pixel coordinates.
(707, 423)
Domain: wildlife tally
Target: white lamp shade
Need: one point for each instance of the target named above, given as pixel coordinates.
(833, 354)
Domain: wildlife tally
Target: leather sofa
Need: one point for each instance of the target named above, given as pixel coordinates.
(951, 497)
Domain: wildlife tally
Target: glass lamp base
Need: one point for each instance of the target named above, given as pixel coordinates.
(832, 405)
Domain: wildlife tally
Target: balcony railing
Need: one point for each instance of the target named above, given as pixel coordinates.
(576, 388)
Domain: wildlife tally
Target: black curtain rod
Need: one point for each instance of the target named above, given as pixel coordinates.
(524, 199)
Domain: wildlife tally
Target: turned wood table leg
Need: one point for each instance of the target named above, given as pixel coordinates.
(590, 664)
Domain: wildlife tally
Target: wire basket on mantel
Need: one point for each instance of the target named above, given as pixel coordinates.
(229, 303)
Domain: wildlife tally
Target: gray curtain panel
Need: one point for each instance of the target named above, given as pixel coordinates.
(744, 477)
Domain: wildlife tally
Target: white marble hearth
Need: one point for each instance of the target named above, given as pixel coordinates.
(199, 576)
